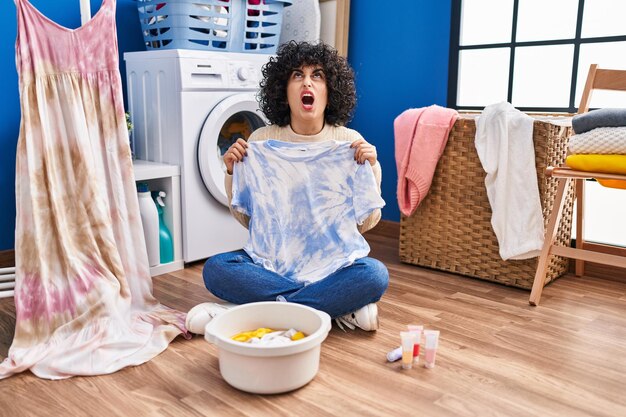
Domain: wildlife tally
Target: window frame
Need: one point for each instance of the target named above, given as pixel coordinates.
(577, 41)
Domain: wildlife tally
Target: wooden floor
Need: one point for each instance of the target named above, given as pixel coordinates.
(497, 356)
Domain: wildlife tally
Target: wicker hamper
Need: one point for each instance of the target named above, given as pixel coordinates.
(451, 229)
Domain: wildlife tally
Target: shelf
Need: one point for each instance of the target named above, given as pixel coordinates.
(168, 267)
(165, 177)
(148, 170)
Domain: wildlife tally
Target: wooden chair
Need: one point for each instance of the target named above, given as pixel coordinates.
(598, 79)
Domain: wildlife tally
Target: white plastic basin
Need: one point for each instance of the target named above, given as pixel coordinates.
(268, 369)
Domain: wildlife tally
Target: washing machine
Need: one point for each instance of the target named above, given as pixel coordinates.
(187, 108)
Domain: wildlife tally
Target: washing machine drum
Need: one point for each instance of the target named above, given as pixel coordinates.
(235, 117)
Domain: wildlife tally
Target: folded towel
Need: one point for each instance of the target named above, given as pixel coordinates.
(504, 142)
(420, 138)
(608, 164)
(599, 118)
(601, 140)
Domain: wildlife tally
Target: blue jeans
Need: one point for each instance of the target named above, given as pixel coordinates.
(234, 277)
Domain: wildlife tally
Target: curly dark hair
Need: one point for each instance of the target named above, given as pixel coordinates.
(291, 55)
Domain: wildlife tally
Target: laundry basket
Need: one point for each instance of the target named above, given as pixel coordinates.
(451, 229)
(217, 25)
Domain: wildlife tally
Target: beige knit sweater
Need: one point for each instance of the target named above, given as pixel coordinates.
(286, 134)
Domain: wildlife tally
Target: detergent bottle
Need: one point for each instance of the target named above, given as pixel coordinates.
(165, 237)
(150, 222)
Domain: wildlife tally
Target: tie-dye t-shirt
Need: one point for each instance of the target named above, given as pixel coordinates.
(304, 201)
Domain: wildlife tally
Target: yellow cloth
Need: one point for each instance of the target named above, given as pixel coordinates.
(608, 164)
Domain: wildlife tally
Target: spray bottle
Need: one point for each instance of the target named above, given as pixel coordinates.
(150, 222)
(165, 237)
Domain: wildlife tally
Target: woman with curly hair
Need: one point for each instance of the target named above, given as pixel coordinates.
(307, 188)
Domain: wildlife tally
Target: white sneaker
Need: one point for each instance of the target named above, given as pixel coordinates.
(199, 316)
(365, 318)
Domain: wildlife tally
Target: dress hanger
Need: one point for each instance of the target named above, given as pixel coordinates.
(85, 11)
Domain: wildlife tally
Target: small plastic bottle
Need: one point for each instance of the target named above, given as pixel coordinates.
(166, 244)
(150, 222)
(431, 342)
(417, 333)
(407, 349)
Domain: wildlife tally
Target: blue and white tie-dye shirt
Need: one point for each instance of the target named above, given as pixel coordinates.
(304, 201)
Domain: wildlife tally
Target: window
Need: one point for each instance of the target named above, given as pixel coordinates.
(535, 54)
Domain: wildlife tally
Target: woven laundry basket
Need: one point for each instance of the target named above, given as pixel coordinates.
(451, 229)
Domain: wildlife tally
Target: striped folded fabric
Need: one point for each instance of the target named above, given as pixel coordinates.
(601, 140)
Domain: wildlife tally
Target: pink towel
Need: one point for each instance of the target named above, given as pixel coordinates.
(421, 136)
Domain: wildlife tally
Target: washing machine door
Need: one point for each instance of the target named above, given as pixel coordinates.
(235, 117)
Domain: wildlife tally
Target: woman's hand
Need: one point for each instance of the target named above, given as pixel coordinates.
(364, 152)
(235, 153)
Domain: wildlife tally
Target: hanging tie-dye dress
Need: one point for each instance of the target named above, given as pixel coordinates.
(83, 292)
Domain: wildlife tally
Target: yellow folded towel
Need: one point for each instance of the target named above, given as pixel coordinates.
(608, 164)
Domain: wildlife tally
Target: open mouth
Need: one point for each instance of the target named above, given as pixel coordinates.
(307, 100)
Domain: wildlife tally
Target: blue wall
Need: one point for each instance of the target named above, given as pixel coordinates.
(400, 55)
(66, 13)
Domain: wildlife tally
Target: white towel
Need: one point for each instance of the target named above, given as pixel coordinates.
(504, 142)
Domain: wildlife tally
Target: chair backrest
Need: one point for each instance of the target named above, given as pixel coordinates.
(601, 79)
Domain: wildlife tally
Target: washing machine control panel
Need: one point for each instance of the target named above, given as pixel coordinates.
(243, 74)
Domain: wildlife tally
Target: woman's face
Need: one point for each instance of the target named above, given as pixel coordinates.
(307, 95)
